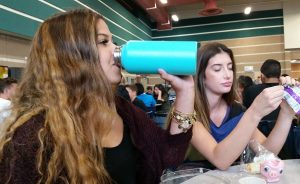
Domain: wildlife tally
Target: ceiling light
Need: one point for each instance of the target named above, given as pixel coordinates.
(175, 18)
(247, 10)
(295, 61)
(164, 1)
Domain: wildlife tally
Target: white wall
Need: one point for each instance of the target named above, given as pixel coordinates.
(291, 18)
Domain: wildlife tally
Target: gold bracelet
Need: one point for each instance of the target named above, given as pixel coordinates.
(184, 120)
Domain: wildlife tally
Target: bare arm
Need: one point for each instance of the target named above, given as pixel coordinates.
(223, 154)
(185, 95)
(278, 135)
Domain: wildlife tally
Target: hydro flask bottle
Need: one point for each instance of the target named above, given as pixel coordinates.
(146, 57)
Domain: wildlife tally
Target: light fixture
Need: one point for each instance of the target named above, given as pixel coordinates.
(175, 18)
(247, 10)
(164, 1)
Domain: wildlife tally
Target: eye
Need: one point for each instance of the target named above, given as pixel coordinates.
(103, 42)
(266, 169)
(280, 172)
(216, 68)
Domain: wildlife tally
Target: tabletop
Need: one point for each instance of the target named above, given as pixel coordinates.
(236, 175)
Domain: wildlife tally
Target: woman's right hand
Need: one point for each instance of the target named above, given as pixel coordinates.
(267, 101)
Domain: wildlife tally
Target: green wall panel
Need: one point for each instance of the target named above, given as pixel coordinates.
(125, 29)
(228, 35)
(65, 4)
(229, 17)
(208, 28)
(225, 27)
(132, 31)
(31, 7)
(219, 27)
(17, 25)
(118, 8)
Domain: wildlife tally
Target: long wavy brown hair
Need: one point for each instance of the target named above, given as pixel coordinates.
(64, 81)
(201, 103)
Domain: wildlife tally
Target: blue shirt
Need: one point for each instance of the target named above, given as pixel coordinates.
(232, 118)
(148, 100)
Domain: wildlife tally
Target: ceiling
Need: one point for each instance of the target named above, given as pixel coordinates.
(187, 9)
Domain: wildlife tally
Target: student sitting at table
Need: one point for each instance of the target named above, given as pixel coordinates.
(225, 128)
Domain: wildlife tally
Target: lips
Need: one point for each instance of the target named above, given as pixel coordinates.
(117, 65)
(227, 84)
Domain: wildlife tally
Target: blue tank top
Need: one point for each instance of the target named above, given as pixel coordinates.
(233, 115)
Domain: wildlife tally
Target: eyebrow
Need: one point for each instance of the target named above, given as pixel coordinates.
(216, 65)
(102, 34)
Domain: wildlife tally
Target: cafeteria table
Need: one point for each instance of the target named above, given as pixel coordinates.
(237, 175)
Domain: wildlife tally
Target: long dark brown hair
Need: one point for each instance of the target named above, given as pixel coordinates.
(205, 53)
(63, 80)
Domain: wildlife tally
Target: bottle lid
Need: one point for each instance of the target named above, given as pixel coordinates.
(117, 55)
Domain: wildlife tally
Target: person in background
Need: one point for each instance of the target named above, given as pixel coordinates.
(122, 92)
(172, 95)
(68, 126)
(257, 80)
(148, 100)
(224, 128)
(243, 83)
(149, 90)
(162, 105)
(133, 97)
(270, 76)
(8, 87)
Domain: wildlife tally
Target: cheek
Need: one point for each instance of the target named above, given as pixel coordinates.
(231, 74)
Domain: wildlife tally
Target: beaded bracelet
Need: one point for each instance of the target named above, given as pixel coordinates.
(184, 120)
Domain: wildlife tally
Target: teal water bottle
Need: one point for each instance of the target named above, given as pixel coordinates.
(146, 57)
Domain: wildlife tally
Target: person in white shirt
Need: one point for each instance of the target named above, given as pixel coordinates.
(7, 90)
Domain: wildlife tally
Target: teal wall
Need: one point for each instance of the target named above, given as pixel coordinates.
(22, 17)
(225, 27)
(125, 26)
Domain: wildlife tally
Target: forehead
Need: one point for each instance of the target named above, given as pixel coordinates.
(102, 27)
(220, 58)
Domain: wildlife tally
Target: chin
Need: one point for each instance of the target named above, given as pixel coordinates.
(226, 91)
(116, 81)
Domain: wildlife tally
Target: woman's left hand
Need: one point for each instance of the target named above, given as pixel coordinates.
(289, 81)
(284, 106)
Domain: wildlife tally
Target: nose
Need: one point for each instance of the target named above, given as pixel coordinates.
(226, 73)
(273, 174)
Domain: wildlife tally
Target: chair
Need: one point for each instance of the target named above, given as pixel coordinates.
(296, 131)
(266, 126)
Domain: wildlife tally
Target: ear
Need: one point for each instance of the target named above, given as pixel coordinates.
(262, 77)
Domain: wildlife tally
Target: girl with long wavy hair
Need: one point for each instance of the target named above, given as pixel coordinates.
(224, 124)
(67, 126)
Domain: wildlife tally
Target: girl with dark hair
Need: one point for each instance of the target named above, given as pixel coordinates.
(224, 127)
(162, 104)
(243, 82)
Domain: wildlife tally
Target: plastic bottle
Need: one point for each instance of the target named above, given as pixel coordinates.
(146, 57)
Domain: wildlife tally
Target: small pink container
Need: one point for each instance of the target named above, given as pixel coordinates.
(272, 170)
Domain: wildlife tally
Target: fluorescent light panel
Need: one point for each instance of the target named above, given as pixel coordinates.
(164, 1)
(247, 10)
(175, 18)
